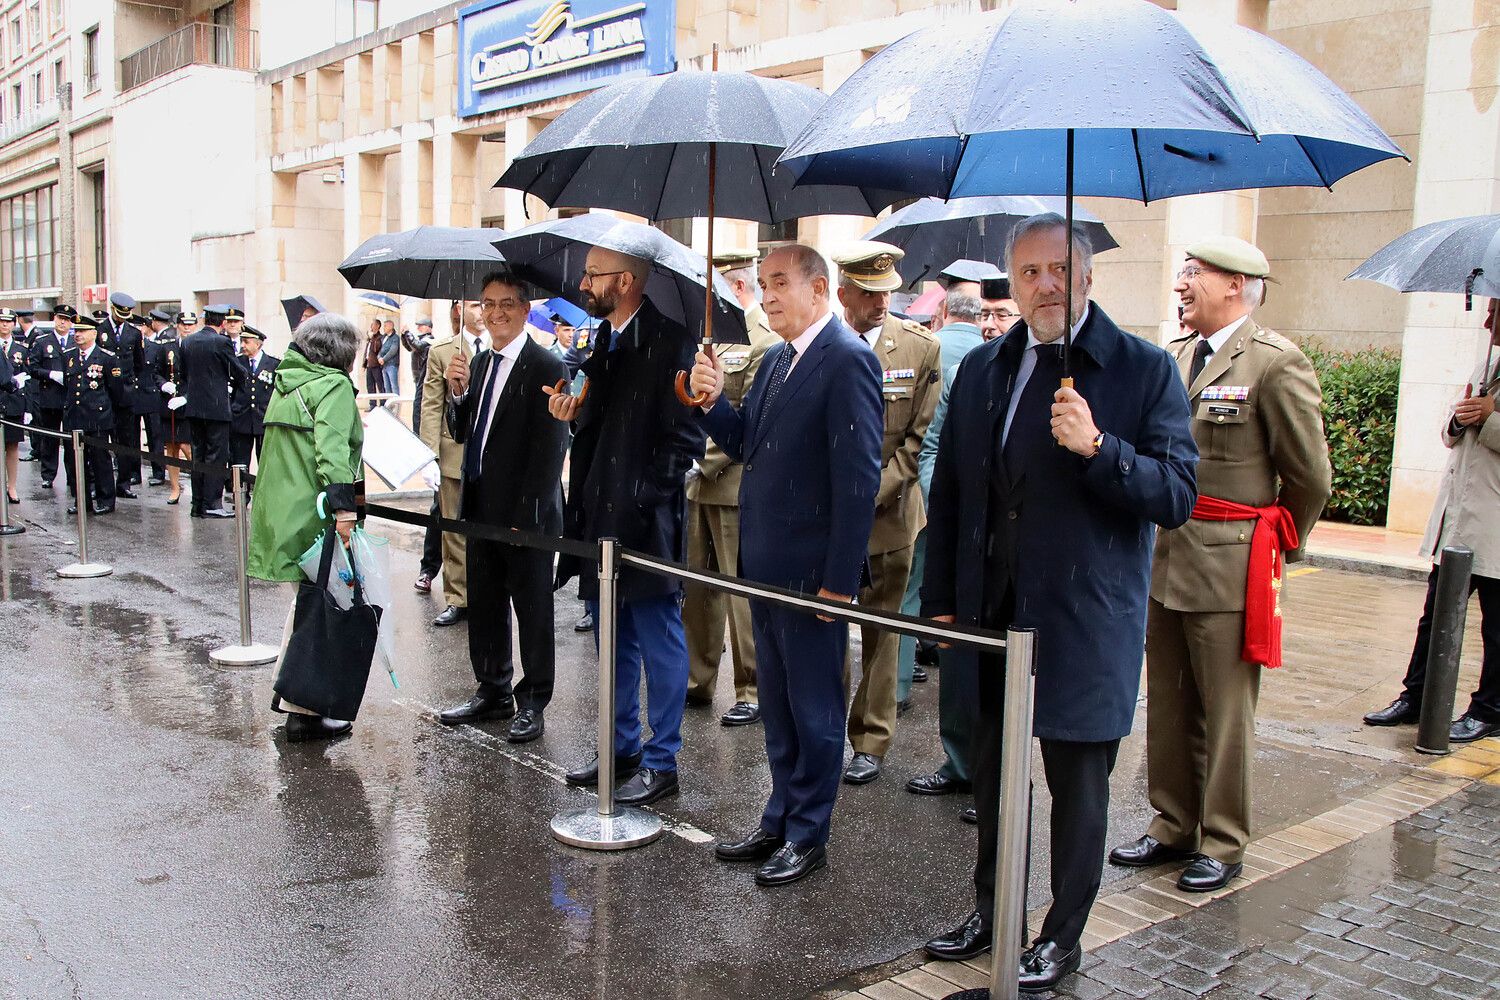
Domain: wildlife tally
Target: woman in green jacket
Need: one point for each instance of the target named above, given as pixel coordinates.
(312, 447)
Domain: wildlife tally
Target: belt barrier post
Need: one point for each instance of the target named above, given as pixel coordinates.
(1009, 921)
(6, 528)
(1449, 609)
(82, 569)
(607, 827)
(247, 653)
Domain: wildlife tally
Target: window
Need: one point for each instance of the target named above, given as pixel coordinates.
(96, 186)
(57, 15)
(771, 237)
(224, 34)
(36, 88)
(352, 18)
(91, 60)
(28, 239)
(16, 99)
(17, 40)
(34, 22)
(59, 76)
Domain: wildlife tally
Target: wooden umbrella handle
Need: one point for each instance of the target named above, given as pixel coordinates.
(561, 388)
(683, 396)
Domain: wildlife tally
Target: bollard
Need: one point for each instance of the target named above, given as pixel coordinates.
(247, 653)
(1450, 607)
(1015, 821)
(82, 569)
(6, 528)
(607, 827)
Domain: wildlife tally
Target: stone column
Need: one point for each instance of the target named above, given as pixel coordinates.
(1458, 173)
(364, 206)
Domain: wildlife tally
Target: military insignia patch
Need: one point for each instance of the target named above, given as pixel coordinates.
(1238, 393)
(93, 385)
(115, 372)
(95, 371)
(265, 377)
(892, 374)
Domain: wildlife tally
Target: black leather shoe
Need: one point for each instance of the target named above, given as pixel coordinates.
(451, 616)
(528, 725)
(790, 864)
(969, 939)
(1143, 852)
(301, 728)
(96, 509)
(647, 786)
(1398, 713)
(72, 509)
(155, 481)
(46, 484)
(423, 584)
(697, 700)
(1207, 875)
(584, 624)
(927, 653)
(936, 784)
(970, 816)
(625, 767)
(1044, 964)
(217, 512)
(863, 769)
(1467, 729)
(918, 675)
(478, 708)
(742, 714)
(758, 846)
(126, 492)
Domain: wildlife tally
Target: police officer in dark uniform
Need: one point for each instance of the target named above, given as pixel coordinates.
(210, 375)
(94, 389)
(13, 396)
(176, 438)
(250, 405)
(45, 360)
(149, 401)
(120, 332)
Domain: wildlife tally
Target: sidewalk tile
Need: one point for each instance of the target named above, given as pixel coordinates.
(925, 984)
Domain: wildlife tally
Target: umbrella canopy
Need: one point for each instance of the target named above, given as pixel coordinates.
(1441, 257)
(1158, 107)
(377, 300)
(429, 262)
(566, 311)
(641, 146)
(296, 306)
(925, 306)
(934, 232)
(551, 256)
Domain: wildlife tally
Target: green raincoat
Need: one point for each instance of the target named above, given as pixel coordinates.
(313, 443)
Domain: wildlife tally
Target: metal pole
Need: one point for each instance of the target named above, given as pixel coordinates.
(1009, 920)
(82, 569)
(1450, 607)
(607, 827)
(247, 653)
(6, 528)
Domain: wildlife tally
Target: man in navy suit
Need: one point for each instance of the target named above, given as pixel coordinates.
(809, 435)
(1042, 508)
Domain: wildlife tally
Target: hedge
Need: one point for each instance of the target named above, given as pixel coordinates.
(1360, 389)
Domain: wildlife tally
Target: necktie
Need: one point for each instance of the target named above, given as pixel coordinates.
(1031, 427)
(778, 377)
(474, 452)
(1201, 354)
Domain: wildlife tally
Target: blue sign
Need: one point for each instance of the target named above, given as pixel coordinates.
(521, 51)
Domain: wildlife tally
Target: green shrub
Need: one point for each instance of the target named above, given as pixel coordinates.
(1360, 389)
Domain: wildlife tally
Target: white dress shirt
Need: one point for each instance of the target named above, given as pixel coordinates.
(501, 365)
(1028, 363)
(1218, 340)
(804, 342)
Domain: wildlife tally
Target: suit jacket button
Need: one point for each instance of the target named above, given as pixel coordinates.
(1012, 514)
(1124, 466)
(750, 467)
(1242, 536)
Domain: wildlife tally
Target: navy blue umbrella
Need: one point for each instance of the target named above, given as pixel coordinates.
(551, 256)
(934, 232)
(429, 262)
(296, 306)
(1116, 98)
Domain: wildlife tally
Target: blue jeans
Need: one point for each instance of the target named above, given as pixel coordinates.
(649, 634)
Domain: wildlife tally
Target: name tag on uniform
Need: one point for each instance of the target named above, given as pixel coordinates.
(734, 361)
(1234, 392)
(1222, 410)
(892, 374)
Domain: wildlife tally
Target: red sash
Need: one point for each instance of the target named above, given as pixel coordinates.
(1275, 533)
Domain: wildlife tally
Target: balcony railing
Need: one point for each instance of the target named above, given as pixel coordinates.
(200, 44)
(29, 121)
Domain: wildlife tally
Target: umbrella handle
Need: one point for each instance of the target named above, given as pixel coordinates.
(561, 388)
(683, 396)
(1067, 382)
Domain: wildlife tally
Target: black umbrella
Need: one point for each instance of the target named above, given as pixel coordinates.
(428, 262)
(296, 306)
(934, 232)
(551, 256)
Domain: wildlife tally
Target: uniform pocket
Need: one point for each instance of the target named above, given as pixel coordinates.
(1225, 423)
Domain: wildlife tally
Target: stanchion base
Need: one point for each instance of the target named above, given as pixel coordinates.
(245, 656)
(982, 993)
(12, 529)
(1434, 752)
(625, 828)
(84, 571)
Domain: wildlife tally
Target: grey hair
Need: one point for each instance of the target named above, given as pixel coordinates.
(961, 305)
(1082, 246)
(809, 261)
(746, 273)
(1254, 293)
(328, 339)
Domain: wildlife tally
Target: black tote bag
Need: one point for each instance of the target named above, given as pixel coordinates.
(328, 655)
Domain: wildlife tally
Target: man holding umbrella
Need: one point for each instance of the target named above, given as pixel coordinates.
(1042, 506)
(633, 447)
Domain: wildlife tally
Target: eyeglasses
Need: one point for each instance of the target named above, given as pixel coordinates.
(1193, 270)
(998, 314)
(589, 277)
(506, 305)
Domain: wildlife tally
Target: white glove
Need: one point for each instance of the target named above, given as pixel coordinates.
(170, 388)
(26, 419)
(56, 377)
(21, 380)
(176, 402)
(431, 476)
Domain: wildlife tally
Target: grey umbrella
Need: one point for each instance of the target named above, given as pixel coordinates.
(296, 306)
(428, 262)
(934, 232)
(1455, 255)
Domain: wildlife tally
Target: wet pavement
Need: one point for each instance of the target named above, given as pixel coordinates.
(160, 839)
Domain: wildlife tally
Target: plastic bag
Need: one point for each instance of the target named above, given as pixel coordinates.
(372, 556)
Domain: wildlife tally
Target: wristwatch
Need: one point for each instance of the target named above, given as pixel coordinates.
(1098, 443)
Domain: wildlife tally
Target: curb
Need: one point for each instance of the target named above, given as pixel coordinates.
(1366, 566)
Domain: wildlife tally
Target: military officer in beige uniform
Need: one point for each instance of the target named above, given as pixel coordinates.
(911, 375)
(713, 494)
(1214, 619)
(436, 436)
